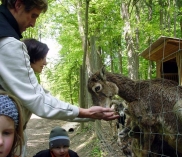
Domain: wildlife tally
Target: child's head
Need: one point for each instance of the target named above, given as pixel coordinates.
(11, 130)
(59, 141)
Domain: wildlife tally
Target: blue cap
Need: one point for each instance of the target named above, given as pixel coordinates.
(8, 108)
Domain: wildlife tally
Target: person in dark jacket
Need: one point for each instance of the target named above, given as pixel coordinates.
(59, 144)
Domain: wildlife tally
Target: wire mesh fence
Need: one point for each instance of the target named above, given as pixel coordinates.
(154, 106)
(108, 139)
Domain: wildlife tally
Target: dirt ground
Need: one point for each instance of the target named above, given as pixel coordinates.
(38, 130)
(84, 142)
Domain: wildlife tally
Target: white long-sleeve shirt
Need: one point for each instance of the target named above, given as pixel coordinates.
(18, 78)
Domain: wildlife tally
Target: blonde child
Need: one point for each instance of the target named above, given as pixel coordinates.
(11, 129)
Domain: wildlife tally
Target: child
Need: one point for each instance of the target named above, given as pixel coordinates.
(59, 143)
(11, 129)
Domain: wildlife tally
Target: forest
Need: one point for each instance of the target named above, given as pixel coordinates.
(93, 33)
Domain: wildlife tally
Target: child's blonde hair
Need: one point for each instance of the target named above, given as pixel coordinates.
(18, 139)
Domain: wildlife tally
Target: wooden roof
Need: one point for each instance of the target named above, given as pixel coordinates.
(164, 48)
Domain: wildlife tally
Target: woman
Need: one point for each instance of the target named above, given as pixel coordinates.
(38, 53)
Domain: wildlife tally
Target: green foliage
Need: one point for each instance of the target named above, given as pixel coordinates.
(96, 152)
(67, 69)
(65, 81)
(106, 25)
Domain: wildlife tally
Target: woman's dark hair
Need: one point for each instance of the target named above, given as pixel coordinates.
(29, 4)
(36, 49)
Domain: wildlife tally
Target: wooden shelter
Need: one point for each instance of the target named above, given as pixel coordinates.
(167, 53)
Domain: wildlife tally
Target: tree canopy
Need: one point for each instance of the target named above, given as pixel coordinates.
(116, 31)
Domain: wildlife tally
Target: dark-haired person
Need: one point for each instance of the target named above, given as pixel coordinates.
(38, 53)
(16, 75)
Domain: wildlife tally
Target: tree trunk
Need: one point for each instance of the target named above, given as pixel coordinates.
(132, 63)
(120, 61)
(137, 39)
(161, 14)
(84, 35)
(149, 5)
(179, 5)
(95, 61)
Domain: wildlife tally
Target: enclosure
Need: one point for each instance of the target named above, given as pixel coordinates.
(166, 52)
(138, 39)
